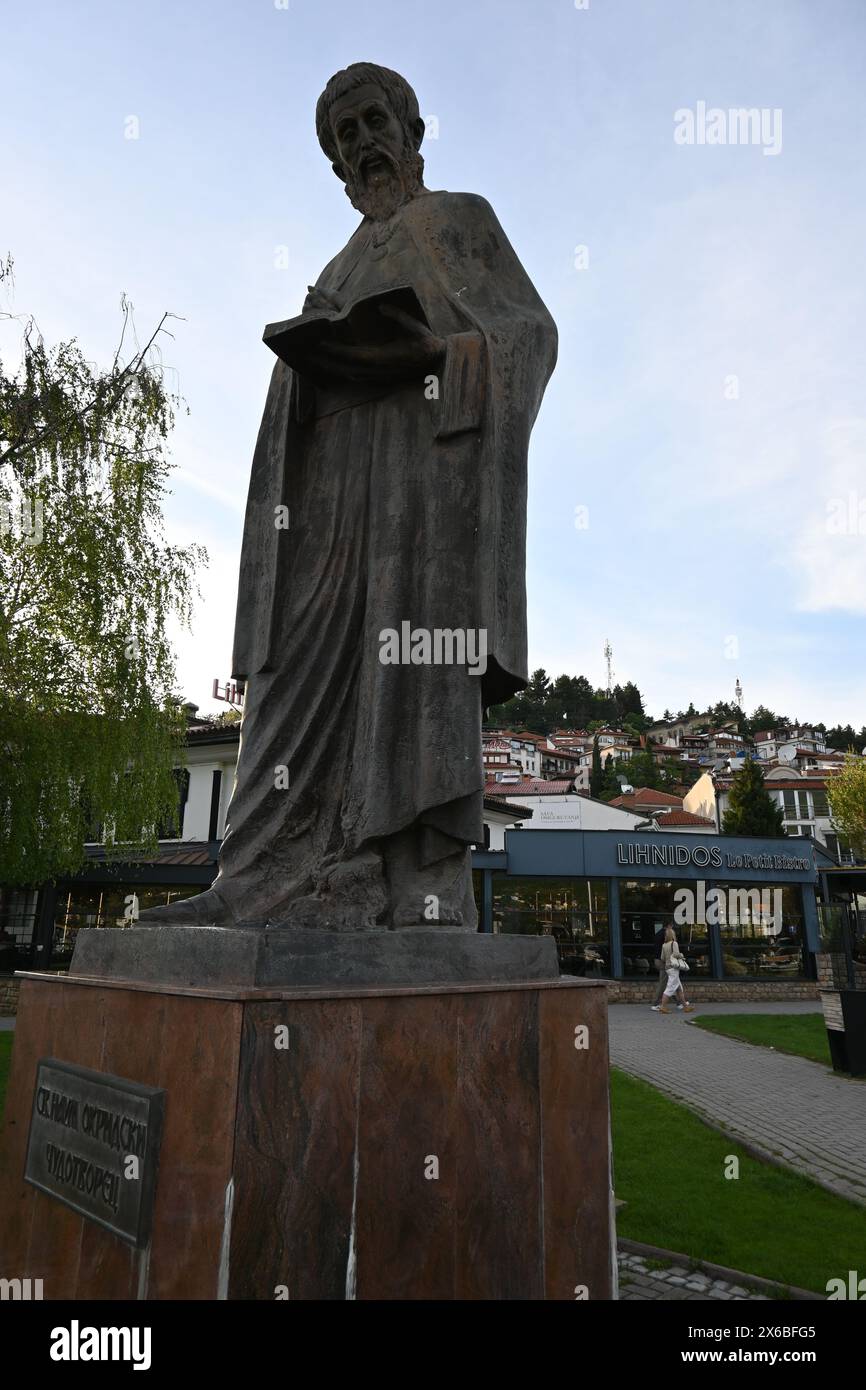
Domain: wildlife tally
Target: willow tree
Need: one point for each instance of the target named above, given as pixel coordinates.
(90, 729)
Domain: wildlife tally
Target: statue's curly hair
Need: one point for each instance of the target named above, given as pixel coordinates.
(401, 99)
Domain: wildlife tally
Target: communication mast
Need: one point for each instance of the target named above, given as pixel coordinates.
(738, 693)
(608, 656)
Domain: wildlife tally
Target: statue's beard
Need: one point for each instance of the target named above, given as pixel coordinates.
(379, 193)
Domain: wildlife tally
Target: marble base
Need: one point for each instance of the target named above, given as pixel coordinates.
(434, 1142)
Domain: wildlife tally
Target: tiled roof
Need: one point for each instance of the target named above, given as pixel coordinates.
(530, 786)
(675, 817)
(508, 808)
(180, 852)
(214, 733)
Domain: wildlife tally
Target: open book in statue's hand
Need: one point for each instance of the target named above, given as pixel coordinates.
(374, 336)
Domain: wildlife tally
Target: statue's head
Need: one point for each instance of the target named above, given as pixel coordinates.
(368, 124)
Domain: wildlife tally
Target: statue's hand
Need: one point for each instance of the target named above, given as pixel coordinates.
(320, 301)
(416, 351)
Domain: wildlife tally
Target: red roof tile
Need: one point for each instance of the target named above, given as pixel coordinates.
(531, 786)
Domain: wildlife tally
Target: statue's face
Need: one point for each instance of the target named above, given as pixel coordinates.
(380, 167)
(369, 137)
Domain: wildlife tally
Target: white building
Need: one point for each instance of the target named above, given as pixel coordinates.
(670, 733)
(555, 805)
(802, 799)
(567, 762)
(501, 815)
(770, 742)
(523, 749)
(205, 784)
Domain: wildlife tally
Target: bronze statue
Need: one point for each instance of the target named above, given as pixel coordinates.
(381, 602)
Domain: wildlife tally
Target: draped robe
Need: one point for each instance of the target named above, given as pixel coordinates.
(405, 503)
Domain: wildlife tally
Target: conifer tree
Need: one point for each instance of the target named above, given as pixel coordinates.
(751, 809)
(596, 775)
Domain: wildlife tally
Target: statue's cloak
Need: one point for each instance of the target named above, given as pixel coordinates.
(406, 505)
(502, 350)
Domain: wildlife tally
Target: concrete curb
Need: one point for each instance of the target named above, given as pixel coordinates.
(731, 1276)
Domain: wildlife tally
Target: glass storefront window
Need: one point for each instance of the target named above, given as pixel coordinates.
(572, 910)
(647, 908)
(98, 906)
(763, 932)
(17, 920)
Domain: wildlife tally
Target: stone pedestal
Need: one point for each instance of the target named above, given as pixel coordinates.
(439, 1141)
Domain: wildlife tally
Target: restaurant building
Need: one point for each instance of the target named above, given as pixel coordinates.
(745, 911)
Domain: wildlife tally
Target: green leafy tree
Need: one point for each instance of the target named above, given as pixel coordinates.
(751, 809)
(642, 769)
(632, 700)
(764, 721)
(569, 701)
(842, 737)
(846, 793)
(227, 718)
(90, 729)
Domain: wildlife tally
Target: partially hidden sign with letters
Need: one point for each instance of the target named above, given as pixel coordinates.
(94, 1145)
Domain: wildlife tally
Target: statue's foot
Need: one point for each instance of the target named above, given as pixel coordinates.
(208, 909)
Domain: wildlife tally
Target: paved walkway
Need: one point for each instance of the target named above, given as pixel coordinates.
(790, 1109)
(674, 1281)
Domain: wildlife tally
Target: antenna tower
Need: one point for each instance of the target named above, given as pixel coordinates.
(608, 656)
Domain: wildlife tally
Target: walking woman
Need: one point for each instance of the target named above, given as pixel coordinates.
(673, 961)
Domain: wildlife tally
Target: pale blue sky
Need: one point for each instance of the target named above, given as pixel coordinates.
(707, 555)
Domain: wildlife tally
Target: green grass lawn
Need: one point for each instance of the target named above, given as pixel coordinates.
(802, 1034)
(768, 1221)
(5, 1061)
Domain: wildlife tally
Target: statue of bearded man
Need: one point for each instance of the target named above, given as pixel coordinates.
(402, 462)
